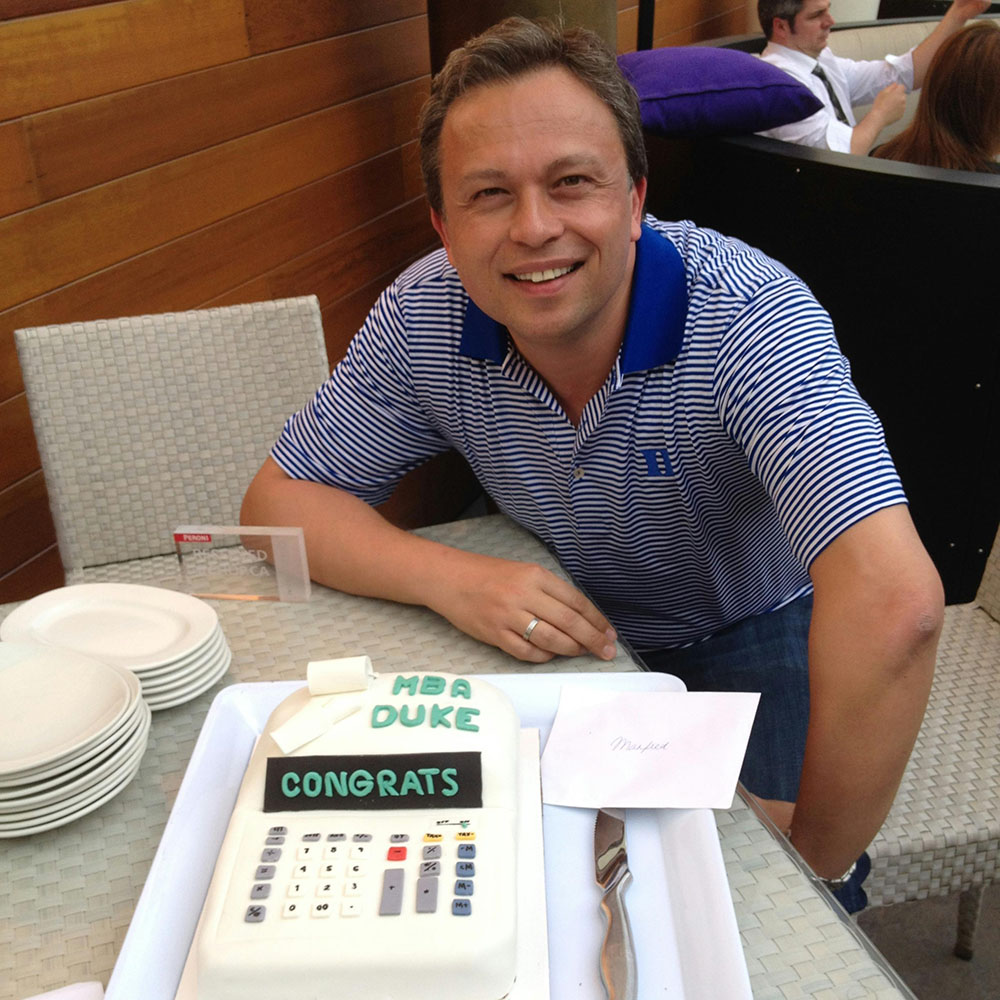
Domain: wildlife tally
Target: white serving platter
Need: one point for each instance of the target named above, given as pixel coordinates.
(687, 941)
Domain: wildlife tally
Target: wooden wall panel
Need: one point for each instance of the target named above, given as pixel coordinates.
(24, 518)
(18, 188)
(175, 117)
(75, 54)
(66, 239)
(20, 454)
(272, 25)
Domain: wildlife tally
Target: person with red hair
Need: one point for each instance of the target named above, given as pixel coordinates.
(957, 121)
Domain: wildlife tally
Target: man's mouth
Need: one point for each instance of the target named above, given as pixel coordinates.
(537, 277)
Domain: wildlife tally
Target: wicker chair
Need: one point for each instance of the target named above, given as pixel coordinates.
(148, 422)
(943, 833)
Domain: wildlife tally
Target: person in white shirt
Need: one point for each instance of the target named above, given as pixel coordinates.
(797, 32)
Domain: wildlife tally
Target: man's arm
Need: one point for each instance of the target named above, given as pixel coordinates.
(888, 107)
(877, 615)
(957, 14)
(351, 547)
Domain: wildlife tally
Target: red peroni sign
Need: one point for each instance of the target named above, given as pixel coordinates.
(182, 536)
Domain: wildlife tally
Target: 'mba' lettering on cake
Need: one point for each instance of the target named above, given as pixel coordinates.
(433, 715)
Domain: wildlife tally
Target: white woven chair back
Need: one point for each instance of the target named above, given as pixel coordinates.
(988, 595)
(148, 422)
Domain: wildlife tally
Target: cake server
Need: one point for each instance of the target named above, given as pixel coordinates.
(613, 876)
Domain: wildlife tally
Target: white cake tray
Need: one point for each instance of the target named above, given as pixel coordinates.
(686, 938)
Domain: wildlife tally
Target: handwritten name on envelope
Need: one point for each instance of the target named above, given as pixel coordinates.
(646, 750)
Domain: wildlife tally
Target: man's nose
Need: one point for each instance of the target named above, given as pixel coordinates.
(535, 221)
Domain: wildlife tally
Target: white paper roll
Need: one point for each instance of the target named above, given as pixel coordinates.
(349, 673)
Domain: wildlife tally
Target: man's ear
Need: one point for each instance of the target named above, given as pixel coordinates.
(638, 206)
(781, 28)
(437, 221)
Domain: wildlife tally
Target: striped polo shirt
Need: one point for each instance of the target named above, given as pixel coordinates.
(727, 447)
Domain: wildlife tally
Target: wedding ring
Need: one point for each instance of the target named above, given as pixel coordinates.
(526, 634)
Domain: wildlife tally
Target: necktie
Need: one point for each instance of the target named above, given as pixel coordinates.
(841, 117)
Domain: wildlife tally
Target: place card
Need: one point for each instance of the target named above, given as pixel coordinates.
(243, 562)
(646, 750)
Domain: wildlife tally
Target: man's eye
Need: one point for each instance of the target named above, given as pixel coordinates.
(488, 193)
(573, 180)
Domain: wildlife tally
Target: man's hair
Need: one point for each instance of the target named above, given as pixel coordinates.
(957, 121)
(768, 10)
(511, 49)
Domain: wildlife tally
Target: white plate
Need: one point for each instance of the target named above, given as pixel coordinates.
(681, 908)
(56, 703)
(65, 767)
(207, 648)
(40, 826)
(128, 624)
(63, 789)
(72, 805)
(172, 699)
(195, 669)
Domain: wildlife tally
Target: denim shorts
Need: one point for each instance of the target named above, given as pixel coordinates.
(768, 653)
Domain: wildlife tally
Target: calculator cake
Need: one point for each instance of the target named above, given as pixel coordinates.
(376, 861)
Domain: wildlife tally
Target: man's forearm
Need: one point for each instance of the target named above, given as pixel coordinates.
(872, 645)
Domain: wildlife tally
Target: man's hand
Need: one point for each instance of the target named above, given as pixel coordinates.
(888, 107)
(495, 600)
(889, 104)
(962, 10)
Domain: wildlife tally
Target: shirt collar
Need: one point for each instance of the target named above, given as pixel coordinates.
(794, 56)
(654, 330)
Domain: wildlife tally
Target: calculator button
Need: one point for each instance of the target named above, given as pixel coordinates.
(335, 851)
(430, 868)
(350, 908)
(362, 838)
(466, 850)
(336, 836)
(274, 840)
(358, 868)
(303, 871)
(305, 852)
(325, 889)
(427, 895)
(292, 910)
(264, 872)
(465, 869)
(255, 914)
(260, 891)
(391, 904)
(465, 835)
(310, 838)
(269, 855)
(461, 907)
(431, 851)
(295, 889)
(352, 887)
(360, 851)
(464, 887)
(399, 838)
(396, 854)
(323, 909)
(277, 831)
(433, 838)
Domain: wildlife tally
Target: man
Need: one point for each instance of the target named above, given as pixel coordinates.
(664, 407)
(797, 32)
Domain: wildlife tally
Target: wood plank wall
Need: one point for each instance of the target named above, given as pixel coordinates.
(158, 155)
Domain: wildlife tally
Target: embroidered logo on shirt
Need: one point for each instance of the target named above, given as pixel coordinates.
(657, 462)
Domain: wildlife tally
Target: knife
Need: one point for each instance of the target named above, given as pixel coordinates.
(611, 867)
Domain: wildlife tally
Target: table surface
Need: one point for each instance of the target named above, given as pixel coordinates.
(71, 891)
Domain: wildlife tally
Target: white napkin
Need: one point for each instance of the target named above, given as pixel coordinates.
(78, 991)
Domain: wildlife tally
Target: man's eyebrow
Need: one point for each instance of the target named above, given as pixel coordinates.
(571, 162)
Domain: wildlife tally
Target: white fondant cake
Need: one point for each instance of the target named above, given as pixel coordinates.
(378, 859)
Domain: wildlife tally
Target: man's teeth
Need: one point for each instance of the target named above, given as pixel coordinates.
(537, 276)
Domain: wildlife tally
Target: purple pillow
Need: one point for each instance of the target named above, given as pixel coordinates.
(699, 90)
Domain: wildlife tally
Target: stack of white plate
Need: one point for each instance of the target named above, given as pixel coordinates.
(171, 641)
(72, 735)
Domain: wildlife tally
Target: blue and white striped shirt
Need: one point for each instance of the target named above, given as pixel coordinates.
(726, 449)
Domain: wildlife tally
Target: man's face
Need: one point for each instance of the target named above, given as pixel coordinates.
(810, 30)
(539, 217)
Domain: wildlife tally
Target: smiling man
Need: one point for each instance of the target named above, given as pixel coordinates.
(797, 33)
(667, 409)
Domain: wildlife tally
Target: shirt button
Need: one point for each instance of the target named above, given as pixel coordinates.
(578, 472)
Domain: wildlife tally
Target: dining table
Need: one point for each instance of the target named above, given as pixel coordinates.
(70, 893)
